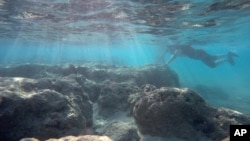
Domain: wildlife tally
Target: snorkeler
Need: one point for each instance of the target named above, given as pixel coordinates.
(199, 54)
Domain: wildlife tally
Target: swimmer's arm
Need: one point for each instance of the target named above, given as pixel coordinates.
(173, 56)
(164, 53)
(161, 57)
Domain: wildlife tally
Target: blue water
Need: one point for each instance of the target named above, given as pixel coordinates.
(133, 33)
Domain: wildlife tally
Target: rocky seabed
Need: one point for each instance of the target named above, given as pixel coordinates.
(95, 102)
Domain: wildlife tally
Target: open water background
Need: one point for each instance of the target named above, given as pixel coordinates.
(134, 33)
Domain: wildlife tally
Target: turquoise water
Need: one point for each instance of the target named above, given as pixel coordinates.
(134, 33)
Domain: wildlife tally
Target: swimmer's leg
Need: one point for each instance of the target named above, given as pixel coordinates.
(220, 56)
(221, 61)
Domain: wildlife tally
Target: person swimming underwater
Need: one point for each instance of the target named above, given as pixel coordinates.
(199, 54)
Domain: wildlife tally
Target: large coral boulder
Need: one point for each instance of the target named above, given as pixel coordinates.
(181, 113)
(172, 112)
(30, 109)
(158, 75)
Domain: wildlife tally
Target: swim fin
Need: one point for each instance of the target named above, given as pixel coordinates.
(230, 56)
(230, 60)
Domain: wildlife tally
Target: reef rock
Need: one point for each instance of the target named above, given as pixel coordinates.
(158, 75)
(43, 101)
(226, 117)
(74, 138)
(114, 98)
(121, 131)
(83, 138)
(181, 113)
(173, 112)
(42, 108)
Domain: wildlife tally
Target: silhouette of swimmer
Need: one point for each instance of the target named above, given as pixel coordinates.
(198, 54)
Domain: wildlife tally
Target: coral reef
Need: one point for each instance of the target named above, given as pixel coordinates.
(105, 102)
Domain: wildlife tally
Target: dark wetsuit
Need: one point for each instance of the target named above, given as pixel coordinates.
(197, 54)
